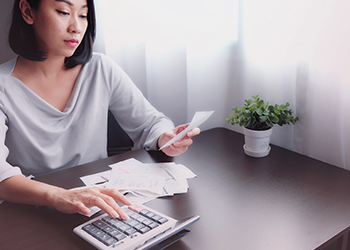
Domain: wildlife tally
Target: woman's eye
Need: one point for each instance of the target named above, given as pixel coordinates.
(62, 12)
(83, 16)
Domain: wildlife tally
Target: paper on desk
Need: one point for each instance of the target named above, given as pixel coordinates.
(95, 179)
(143, 182)
(129, 166)
(198, 119)
(133, 166)
(175, 176)
(139, 199)
(172, 186)
(150, 183)
(178, 171)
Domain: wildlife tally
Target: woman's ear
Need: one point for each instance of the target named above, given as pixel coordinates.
(27, 12)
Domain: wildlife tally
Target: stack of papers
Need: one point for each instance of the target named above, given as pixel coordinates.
(143, 182)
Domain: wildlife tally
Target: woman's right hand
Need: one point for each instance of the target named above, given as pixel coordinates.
(22, 190)
(80, 200)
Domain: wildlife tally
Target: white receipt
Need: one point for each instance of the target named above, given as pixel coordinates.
(145, 182)
(198, 119)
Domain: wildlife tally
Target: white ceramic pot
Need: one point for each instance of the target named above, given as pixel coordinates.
(257, 143)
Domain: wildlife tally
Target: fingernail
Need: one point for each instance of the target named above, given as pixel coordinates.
(177, 143)
(128, 201)
(114, 214)
(190, 133)
(125, 216)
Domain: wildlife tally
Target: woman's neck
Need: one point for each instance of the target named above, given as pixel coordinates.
(49, 79)
(49, 68)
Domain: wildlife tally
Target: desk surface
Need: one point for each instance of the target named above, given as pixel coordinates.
(283, 201)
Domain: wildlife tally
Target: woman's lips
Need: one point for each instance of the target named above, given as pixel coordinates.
(72, 42)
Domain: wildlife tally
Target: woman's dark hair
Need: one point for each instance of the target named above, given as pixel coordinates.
(23, 42)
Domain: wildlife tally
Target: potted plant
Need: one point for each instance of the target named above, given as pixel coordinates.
(257, 118)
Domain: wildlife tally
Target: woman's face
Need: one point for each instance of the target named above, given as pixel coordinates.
(60, 25)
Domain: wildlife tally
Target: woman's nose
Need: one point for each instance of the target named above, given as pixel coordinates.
(75, 26)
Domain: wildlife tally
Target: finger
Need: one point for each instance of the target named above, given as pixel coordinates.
(180, 147)
(108, 204)
(169, 135)
(113, 204)
(116, 195)
(185, 142)
(177, 151)
(193, 132)
(180, 128)
(111, 195)
(81, 208)
(180, 150)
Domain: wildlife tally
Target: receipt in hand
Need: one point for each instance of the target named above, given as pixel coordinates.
(198, 119)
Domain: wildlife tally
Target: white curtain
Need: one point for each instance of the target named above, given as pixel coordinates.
(298, 51)
(176, 52)
(194, 55)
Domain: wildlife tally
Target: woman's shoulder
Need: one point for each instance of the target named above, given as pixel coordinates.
(102, 60)
(5, 73)
(99, 58)
(7, 67)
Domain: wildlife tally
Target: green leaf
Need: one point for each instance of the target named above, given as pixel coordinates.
(268, 123)
(265, 105)
(263, 118)
(259, 111)
(275, 119)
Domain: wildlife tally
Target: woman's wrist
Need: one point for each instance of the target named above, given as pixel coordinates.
(51, 195)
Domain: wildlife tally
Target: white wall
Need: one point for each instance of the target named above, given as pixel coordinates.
(5, 15)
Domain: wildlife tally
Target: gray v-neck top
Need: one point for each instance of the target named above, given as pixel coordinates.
(36, 138)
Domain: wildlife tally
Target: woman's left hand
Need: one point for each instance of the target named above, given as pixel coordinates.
(178, 147)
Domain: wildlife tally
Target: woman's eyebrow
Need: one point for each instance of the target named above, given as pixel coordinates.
(69, 3)
(65, 1)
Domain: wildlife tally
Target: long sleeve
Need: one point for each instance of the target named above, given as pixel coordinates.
(143, 123)
(6, 170)
(36, 138)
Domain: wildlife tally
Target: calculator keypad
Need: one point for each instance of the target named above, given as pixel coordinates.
(110, 230)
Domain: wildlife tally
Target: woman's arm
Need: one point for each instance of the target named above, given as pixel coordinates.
(20, 189)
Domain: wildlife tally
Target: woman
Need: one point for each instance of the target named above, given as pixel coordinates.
(54, 101)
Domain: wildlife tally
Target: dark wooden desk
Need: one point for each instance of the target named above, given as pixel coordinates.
(285, 201)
